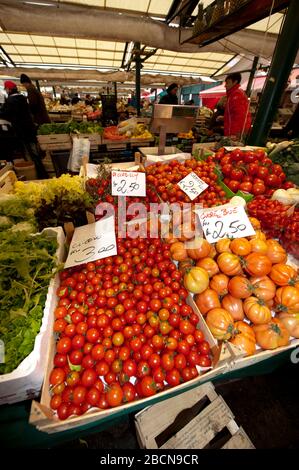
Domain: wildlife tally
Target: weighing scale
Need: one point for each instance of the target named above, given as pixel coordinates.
(170, 119)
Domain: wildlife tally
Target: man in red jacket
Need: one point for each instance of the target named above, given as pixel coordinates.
(237, 117)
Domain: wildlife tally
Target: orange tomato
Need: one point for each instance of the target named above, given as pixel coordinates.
(221, 323)
(229, 264)
(233, 306)
(257, 311)
(257, 264)
(244, 337)
(178, 251)
(276, 253)
(219, 283)
(207, 300)
(209, 265)
(240, 246)
(283, 275)
(271, 335)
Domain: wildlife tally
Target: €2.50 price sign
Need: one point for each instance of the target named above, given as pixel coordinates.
(192, 185)
(128, 183)
(226, 221)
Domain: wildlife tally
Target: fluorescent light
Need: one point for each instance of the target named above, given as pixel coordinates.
(129, 53)
(40, 4)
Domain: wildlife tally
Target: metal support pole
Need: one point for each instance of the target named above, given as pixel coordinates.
(115, 89)
(138, 68)
(283, 60)
(252, 74)
(37, 85)
(54, 92)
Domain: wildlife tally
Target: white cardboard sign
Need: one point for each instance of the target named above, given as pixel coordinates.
(226, 221)
(92, 242)
(128, 183)
(192, 185)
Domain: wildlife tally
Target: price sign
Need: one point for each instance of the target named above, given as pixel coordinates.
(192, 185)
(225, 222)
(128, 183)
(92, 242)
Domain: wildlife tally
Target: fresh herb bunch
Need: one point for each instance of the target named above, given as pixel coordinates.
(288, 157)
(27, 264)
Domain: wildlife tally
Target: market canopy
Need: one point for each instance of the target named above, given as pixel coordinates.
(99, 34)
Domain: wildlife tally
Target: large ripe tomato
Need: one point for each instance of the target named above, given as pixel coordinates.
(207, 300)
(283, 275)
(272, 335)
(196, 280)
(234, 306)
(287, 299)
(257, 264)
(219, 283)
(220, 323)
(257, 311)
(229, 264)
(240, 287)
(244, 337)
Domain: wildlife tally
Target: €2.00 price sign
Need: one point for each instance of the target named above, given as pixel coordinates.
(128, 183)
(192, 185)
(226, 221)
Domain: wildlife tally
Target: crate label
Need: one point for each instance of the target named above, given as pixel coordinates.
(92, 242)
(226, 221)
(192, 185)
(128, 183)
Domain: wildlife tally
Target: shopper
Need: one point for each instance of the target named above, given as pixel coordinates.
(88, 100)
(171, 95)
(75, 99)
(16, 110)
(36, 102)
(237, 117)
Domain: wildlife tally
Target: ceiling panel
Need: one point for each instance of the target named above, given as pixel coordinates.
(69, 60)
(42, 40)
(26, 49)
(65, 42)
(86, 43)
(86, 53)
(51, 60)
(159, 7)
(47, 50)
(83, 61)
(20, 38)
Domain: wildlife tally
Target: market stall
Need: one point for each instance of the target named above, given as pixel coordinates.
(229, 299)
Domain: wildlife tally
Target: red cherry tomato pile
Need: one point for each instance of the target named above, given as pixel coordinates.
(276, 222)
(162, 182)
(251, 171)
(100, 190)
(124, 330)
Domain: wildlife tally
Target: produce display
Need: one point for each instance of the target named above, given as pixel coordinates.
(132, 129)
(286, 154)
(244, 287)
(162, 182)
(26, 267)
(124, 330)
(55, 201)
(278, 220)
(251, 171)
(70, 127)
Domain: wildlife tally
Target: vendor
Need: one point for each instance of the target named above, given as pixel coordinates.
(171, 95)
(237, 117)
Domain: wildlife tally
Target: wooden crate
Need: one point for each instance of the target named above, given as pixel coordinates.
(55, 142)
(197, 419)
(43, 418)
(94, 139)
(7, 181)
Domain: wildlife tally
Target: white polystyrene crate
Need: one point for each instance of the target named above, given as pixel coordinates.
(25, 381)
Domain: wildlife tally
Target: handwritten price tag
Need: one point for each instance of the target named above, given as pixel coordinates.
(225, 222)
(92, 242)
(192, 185)
(128, 183)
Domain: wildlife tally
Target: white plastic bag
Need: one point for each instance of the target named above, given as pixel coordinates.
(81, 148)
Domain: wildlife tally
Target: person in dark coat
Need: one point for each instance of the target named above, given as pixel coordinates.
(171, 97)
(16, 110)
(36, 101)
